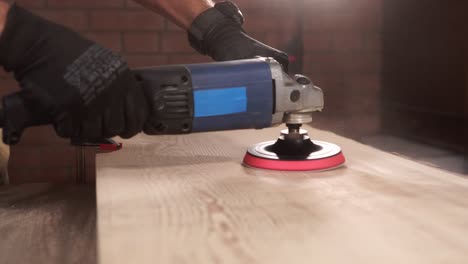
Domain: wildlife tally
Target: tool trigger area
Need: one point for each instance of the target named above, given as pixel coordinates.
(102, 145)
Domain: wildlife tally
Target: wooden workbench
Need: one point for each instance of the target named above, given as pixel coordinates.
(47, 223)
(187, 199)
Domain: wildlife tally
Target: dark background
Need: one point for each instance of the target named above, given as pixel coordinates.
(424, 85)
(386, 66)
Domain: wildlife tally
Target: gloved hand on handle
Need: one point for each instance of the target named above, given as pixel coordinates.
(85, 89)
(218, 32)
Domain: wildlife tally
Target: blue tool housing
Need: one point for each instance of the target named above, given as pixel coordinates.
(232, 95)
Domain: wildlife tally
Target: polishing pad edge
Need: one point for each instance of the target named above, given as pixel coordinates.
(327, 163)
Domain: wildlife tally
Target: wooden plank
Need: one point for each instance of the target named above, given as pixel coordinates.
(187, 199)
(4, 156)
(45, 223)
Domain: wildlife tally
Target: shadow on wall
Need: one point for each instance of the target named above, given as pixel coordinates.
(420, 152)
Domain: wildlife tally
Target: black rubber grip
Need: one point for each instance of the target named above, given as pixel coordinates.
(170, 92)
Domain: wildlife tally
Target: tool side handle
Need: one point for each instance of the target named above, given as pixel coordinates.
(16, 116)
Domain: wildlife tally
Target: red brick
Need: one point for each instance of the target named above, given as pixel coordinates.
(339, 62)
(24, 157)
(318, 42)
(374, 5)
(332, 83)
(343, 20)
(326, 121)
(141, 42)
(107, 39)
(275, 40)
(132, 4)
(63, 174)
(372, 42)
(175, 42)
(188, 59)
(287, 6)
(335, 105)
(333, 89)
(271, 20)
(24, 175)
(358, 126)
(136, 61)
(361, 105)
(90, 168)
(322, 15)
(319, 63)
(362, 62)
(363, 84)
(31, 3)
(43, 135)
(173, 27)
(85, 3)
(337, 6)
(54, 155)
(76, 20)
(347, 41)
(125, 20)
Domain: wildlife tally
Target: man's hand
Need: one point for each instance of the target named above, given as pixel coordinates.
(88, 91)
(214, 31)
(218, 32)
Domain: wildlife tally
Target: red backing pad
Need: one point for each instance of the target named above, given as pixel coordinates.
(295, 165)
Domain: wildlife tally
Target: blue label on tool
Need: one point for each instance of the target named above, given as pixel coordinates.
(216, 102)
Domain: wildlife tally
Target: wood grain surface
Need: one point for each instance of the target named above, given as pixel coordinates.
(188, 199)
(45, 223)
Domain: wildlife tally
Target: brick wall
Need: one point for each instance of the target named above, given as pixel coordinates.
(341, 52)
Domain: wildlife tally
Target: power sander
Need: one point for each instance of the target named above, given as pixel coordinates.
(243, 94)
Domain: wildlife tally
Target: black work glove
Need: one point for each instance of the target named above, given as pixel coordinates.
(87, 90)
(218, 32)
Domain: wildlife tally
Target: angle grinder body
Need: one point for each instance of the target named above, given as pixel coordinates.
(243, 94)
